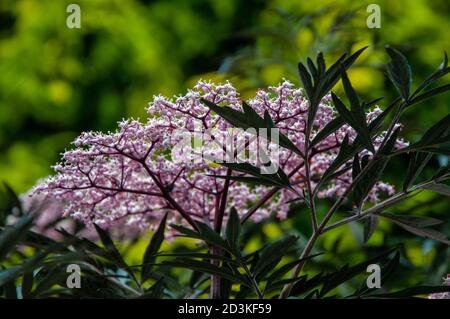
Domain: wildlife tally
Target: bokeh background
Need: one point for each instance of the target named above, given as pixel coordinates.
(56, 82)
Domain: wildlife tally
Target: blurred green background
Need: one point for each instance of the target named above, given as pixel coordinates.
(56, 82)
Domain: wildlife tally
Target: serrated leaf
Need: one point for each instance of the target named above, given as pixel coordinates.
(326, 81)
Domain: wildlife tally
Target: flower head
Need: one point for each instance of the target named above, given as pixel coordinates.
(131, 176)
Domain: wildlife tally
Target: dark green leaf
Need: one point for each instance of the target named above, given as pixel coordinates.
(332, 74)
(233, 231)
(430, 93)
(306, 81)
(417, 230)
(27, 284)
(277, 274)
(438, 134)
(250, 119)
(411, 292)
(271, 255)
(370, 225)
(335, 279)
(399, 72)
(415, 221)
(440, 72)
(439, 188)
(11, 235)
(386, 272)
(152, 249)
(417, 162)
(208, 268)
(354, 119)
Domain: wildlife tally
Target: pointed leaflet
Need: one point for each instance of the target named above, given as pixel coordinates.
(386, 272)
(332, 74)
(152, 249)
(280, 272)
(372, 175)
(417, 162)
(356, 118)
(249, 180)
(333, 280)
(417, 230)
(313, 70)
(233, 231)
(111, 249)
(277, 179)
(249, 119)
(205, 233)
(438, 134)
(399, 72)
(321, 67)
(411, 292)
(370, 225)
(271, 255)
(349, 118)
(415, 221)
(305, 78)
(336, 123)
(430, 93)
(440, 188)
(207, 267)
(325, 80)
(345, 152)
(440, 72)
(11, 235)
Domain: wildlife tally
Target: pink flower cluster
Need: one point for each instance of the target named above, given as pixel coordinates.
(129, 177)
(442, 295)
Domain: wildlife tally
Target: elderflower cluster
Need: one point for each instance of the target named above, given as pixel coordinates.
(129, 177)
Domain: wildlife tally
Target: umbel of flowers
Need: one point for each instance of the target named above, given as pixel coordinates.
(128, 177)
